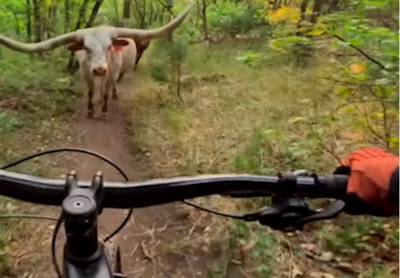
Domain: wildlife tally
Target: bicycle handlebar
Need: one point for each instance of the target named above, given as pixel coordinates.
(154, 192)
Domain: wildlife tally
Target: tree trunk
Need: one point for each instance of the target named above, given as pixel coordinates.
(277, 4)
(81, 19)
(94, 13)
(316, 10)
(67, 16)
(127, 9)
(117, 21)
(178, 80)
(29, 20)
(303, 8)
(333, 6)
(204, 17)
(82, 14)
(52, 20)
(37, 22)
(139, 13)
(17, 28)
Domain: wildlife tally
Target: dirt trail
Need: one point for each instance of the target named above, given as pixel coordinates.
(149, 228)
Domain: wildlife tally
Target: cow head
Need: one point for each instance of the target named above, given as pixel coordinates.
(98, 47)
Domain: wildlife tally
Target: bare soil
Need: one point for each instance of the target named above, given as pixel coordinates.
(147, 242)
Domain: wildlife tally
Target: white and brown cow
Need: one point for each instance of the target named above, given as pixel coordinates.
(104, 53)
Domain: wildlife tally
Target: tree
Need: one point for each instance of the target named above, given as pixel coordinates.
(52, 19)
(95, 10)
(81, 19)
(204, 18)
(82, 14)
(127, 9)
(28, 20)
(117, 21)
(37, 20)
(67, 16)
(316, 10)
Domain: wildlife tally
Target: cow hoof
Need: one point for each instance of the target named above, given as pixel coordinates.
(103, 116)
(90, 114)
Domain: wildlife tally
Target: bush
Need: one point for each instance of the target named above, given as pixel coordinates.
(232, 18)
(298, 49)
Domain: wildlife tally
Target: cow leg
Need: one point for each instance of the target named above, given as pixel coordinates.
(90, 104)
(114, 92)
(104, 109)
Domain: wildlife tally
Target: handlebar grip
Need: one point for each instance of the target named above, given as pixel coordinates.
(334, 186)
(337, 185)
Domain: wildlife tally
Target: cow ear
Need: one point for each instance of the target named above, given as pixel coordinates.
(120, 42)
(75, 46)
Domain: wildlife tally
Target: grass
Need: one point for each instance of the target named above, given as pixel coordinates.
(35, 103)
(254, 119)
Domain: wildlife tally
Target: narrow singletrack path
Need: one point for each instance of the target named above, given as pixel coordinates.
(149, 228)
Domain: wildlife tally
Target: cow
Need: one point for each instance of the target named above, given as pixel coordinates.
(128, 58)
(141, 47)
(100, 52)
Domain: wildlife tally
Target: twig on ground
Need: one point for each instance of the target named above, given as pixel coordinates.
(289, 247)
(133, 250)
(146, 252)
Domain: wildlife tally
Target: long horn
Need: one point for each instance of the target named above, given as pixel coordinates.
(140, 34)
(40, 46)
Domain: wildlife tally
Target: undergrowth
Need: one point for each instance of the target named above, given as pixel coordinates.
(239, 117)
(35, 104)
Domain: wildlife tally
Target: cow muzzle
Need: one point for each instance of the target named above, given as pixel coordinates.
(100, 71)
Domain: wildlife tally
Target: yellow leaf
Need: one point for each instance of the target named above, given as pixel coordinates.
(358, 68)
(296, 120)
(284, 15)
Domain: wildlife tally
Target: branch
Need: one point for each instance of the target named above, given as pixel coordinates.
(168, 8)
(330, 151)
(369, 126)
(362, 52)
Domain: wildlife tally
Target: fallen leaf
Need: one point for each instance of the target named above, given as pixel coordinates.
(296, 272)
(315, 274)
(325, 257)
(309, 247)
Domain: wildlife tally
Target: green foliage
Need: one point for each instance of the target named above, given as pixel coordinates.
(17, 74)
(9, 123)
(360, 236)
(251, 58)
(298, 49)
(168, 60)
(272, 149)
(262, 245)
(381, 42)
(232, 18)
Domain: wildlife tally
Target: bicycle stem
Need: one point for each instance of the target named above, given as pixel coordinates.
(84, 255)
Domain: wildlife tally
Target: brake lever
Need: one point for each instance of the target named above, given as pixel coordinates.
(293, 213)
(333, 210)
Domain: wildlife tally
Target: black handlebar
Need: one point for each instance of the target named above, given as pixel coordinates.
(154, 192)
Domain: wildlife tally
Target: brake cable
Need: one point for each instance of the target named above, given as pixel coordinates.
(196, 206)
(88, 152)
(61, 219)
